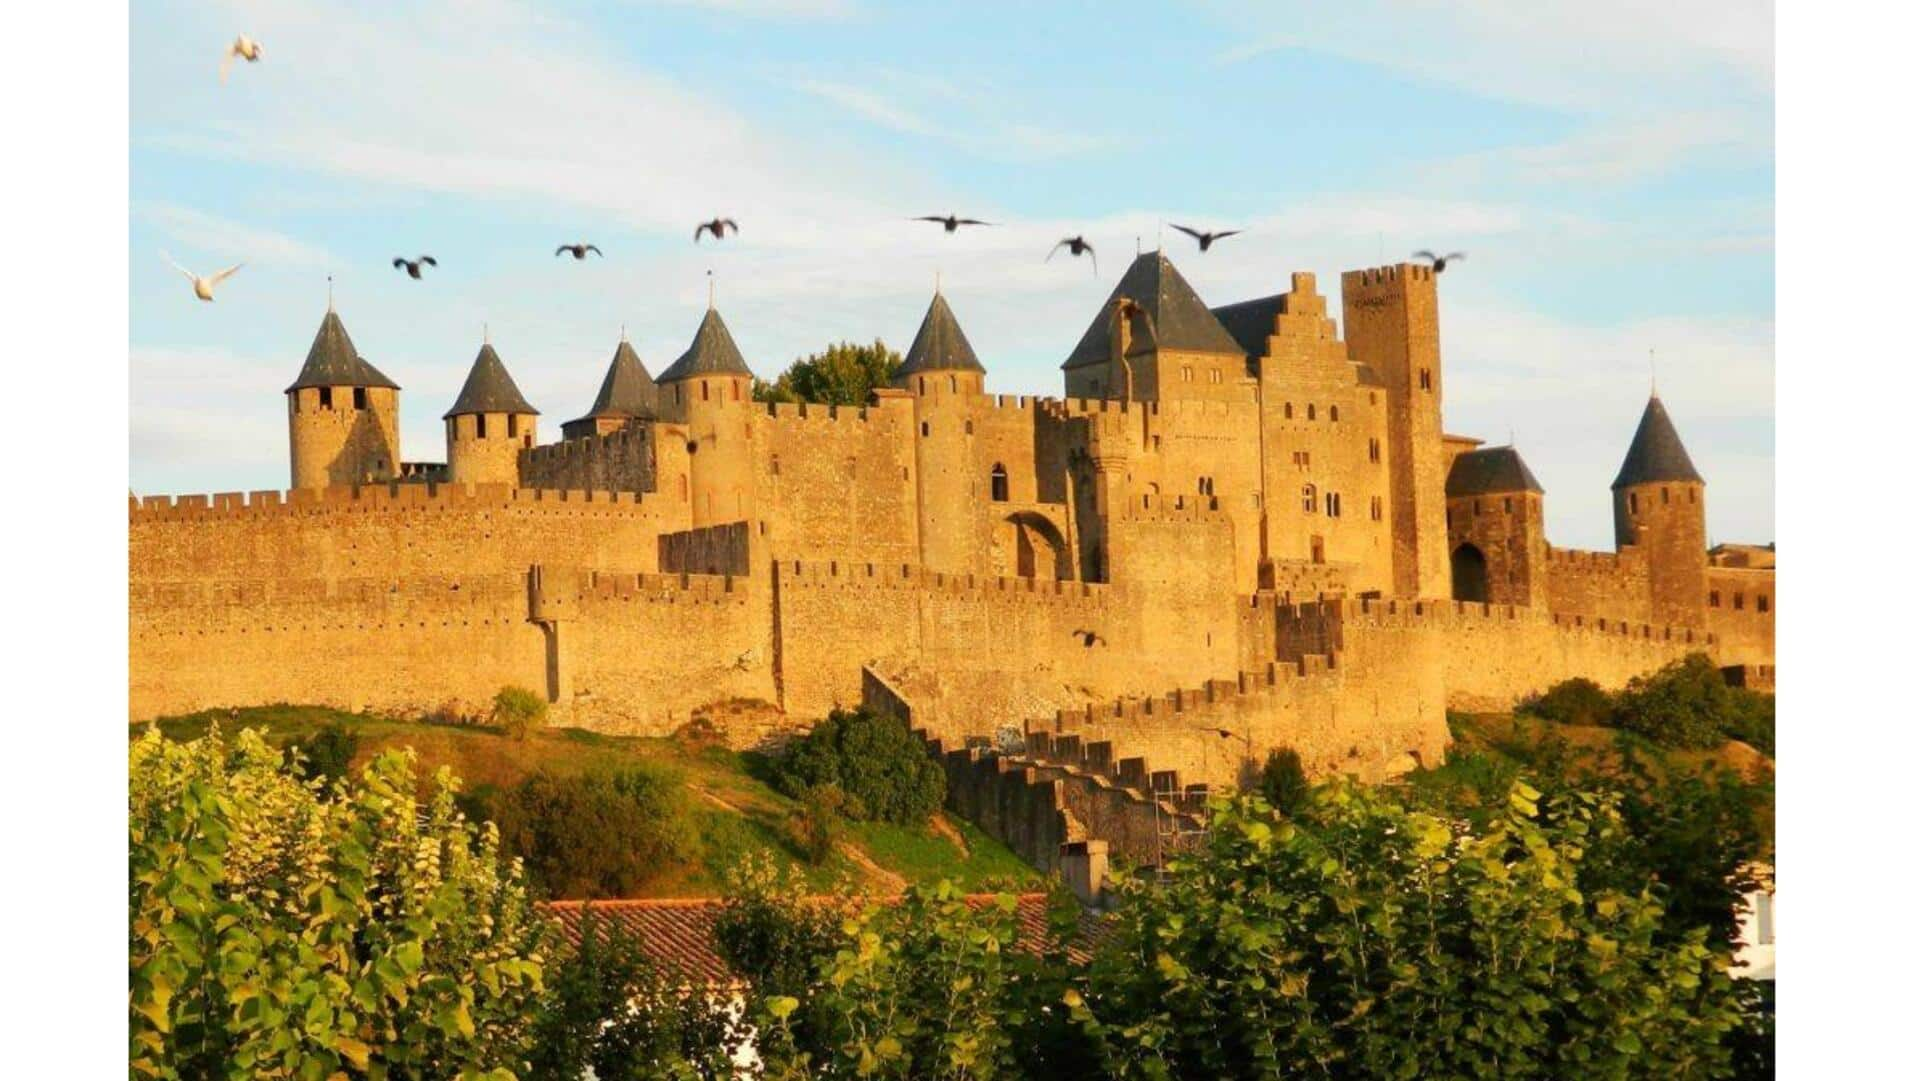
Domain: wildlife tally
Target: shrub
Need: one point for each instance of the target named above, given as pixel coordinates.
(820, 822)
(874, 759)
(596, 835)
(279, 931)
(1572, 701)
(611, 1009)
(1283, 780)
(326, 754)
(770, 933)
(1686, 704)
(519, 711)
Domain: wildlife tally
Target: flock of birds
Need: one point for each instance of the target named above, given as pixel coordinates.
(721, 228)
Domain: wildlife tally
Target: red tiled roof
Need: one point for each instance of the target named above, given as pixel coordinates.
(677, 932)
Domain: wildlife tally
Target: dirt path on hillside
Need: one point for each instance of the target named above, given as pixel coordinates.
(944, 827)
(885, 879)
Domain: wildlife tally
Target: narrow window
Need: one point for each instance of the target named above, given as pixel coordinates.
(480, 425)
(1214, 375)
(1333, 413)
(1506, 505)
(1319, 546)
(359, 397)
(1663, 497)
(1289, 411)
(1633, 503)
(1186, 374)
(773, 466)
(1739, 602)
(326, 397)
(999, 483)
(953, 383)
(1760, 602)
(1426, 379)
(1310, 411)
(1713, 599)
(704, 395)
(1690, 495)
(1376, 508)
(513, 425)
(969, 427)
(1333, 504)
(925, 429)
(923, 384)
(736, 390)
(1309, 499)
(1476, 508)
(1373, 450)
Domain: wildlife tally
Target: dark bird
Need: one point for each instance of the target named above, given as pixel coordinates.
(1440, 261)
(578, 251)
(952, 223)
(1206, 239)
(413, 265)
(1089, 638)
(718, 227)
(1076, 245)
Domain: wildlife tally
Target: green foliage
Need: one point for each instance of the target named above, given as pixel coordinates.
(1572, 701)
(604, 833)
(1687, 704)
(875, 760)
(841, 375)
(281, 929)
(770, 932)
(327, 754)
(519, 711)
(1368, 939)
(611, 1009)
(820, 823)
(1283, 780)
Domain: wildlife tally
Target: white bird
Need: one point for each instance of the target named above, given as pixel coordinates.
(203, 287)
(243, 47)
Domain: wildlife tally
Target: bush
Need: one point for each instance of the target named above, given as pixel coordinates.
(875, 760)
(821, 821)
(279, 931)
(596, 835)
(1572, 701)
(1283, 781)
(609, 1008)
(326, 754)
(519, 711)
(1687, 704)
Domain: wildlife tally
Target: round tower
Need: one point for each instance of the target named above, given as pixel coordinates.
(954, 488)
(1496, 531)
(489, 425)
(709, 389)
(343, 415)
(1660, 508)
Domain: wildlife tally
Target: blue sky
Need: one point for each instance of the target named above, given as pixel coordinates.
(1611, 178)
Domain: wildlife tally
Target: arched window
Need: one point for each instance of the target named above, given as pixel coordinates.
(704, 393)
(1309, 499)
(953, 383)
(999, 483)
(1333, 412)
(1333, 504)
(1310, 411)
(1287, 411)
(1206, 485)
(1469, 574)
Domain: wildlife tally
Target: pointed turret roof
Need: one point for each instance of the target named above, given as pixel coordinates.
(1489, 470)
(1180, 319)
(332, 361)
(712, 353)
(489, 389)
(940, 346)
(627, 391)
(1656, 453)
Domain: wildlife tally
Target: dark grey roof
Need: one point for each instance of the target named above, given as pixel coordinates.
(332, 361)
(628, 390)
(940, 346)
(1656, 453)
(712, 353)
(489, 388)
(1180, 320)
(1251, 324)
(1488, 470)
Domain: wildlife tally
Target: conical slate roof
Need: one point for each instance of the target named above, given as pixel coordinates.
(1656, 453)
(1180, 320)
(332, 361)
(712, 353)
(940, 346)
(489, 389)
(1489, 470)
(627, 391)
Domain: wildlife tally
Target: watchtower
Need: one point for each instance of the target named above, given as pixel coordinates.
(343, 415)
(489, 425)
(710, 390)
(946, 380)
(1496, 529)
(1660, 507)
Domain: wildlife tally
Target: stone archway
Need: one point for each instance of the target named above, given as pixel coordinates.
(1040, 551)
(1469, 574)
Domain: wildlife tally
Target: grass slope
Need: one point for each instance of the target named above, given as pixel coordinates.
(733, 812)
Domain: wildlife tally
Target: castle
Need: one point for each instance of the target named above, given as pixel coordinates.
(1237, 530)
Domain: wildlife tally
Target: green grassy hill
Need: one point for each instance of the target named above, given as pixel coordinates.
(733, 812)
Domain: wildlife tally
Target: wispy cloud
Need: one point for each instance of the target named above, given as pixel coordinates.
(869, 105)
(194, 230)
(1615, 153)
(781, 9)
(972, 122)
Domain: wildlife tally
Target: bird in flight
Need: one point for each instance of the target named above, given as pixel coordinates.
(951, 222)
(1076, 245)
(1206, 239)
(203, 287)
(1440, 261)
(243, 47)
(578, 251)
(1090, 638)
(718, 227)
(413, 265)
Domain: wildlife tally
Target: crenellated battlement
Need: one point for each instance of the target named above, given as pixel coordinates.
(633, 436)
(1397, 273)
(1378, 612)
(373, 499)
(813, 412)
(834, 574)
(663, 588)
(1173, 508)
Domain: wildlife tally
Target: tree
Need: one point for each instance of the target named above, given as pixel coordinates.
(519, 711)
(840, 375)
(1283, 780)
(281, 928)
(880, 765)
(1572, 701)
(327, 754)
(595, 835)
(1367, 939)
